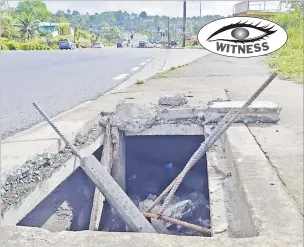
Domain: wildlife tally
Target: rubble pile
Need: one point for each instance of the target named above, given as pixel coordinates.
(192, 208)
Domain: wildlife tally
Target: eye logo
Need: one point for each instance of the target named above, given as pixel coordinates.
(242, 37)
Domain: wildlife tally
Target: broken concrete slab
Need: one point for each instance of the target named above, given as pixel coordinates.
(19, 198)
(131, 117)
(173, 100)
(107, 162)
(258, 111)
(116, 197)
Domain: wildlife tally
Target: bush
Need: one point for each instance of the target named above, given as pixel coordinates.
(3, 47)
(2, 40)
(288, 61)
(12, 45)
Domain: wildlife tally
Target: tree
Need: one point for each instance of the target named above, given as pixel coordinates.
(28, 26)
(60, 14)
(143, 15)
(75, 12)
(8, 29)
(46, 34)
(119, 16)
(36, 8)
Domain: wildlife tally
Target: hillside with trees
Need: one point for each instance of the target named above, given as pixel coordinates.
(21, 26)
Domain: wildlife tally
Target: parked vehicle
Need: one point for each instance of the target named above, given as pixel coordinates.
(141, 44)
(119, 44)
(98, 45)
(158, 45)
(149, 45)
(65, 44)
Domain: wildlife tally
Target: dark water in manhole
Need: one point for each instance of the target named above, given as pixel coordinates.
(152, 162)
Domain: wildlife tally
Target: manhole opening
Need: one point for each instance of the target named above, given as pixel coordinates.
(151, 164)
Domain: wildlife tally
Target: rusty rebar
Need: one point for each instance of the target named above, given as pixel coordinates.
(197, 228)
(201, 151)
(167, 190)
(57, 130)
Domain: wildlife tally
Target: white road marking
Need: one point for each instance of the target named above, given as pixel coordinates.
(142, 64)
(119, 77)
(135, 68)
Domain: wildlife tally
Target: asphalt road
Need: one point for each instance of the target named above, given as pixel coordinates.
(60, 80)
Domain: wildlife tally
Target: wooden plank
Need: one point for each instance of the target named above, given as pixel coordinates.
(116, 197)
(106, 161)
(118, 171)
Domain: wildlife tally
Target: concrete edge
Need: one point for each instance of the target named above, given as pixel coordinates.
(219, 224)
(56, 145)
(15, 213)
(35, 237)
(268, 201)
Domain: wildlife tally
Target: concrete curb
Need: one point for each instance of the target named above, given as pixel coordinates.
(271, 209)
(35, 237)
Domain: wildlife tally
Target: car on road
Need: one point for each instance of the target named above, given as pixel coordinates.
(141, 44)
(66, 44)
(149, 45)
(98, 45)
(158, 45)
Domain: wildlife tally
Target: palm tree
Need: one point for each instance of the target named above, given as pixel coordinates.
(47, 35)
(28, 26)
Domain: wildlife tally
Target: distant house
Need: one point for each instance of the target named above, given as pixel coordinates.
(54, 27)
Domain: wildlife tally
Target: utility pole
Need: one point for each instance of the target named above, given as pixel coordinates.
(168, 30)
(184, 23)
(200, 9)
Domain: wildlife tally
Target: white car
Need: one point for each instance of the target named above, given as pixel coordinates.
(149, 45)
(158, 45)
(98, 45)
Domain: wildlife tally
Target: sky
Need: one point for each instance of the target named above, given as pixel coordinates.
(168, 8)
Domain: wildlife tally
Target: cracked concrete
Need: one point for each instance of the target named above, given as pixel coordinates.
(204, 80)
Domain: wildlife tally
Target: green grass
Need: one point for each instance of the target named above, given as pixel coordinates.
(160, 75)
(139, 81)
(288, 61)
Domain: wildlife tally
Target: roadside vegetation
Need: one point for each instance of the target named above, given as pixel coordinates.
(160, 75)
(22, 28)
(140, 81)
(27, 26)
(288, 61)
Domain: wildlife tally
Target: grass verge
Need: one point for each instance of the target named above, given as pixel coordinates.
(139, 81)
(160, 75)
(288, 61)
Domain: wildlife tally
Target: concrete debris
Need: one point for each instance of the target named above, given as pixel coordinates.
(179, 210)
(201, 115)
(133, 118)
(189, 207)
(24, 180)
(173, 100)
(81, 138)
(103, 121)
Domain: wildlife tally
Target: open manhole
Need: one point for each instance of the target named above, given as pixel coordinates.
(148, 150)
(151, 164)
